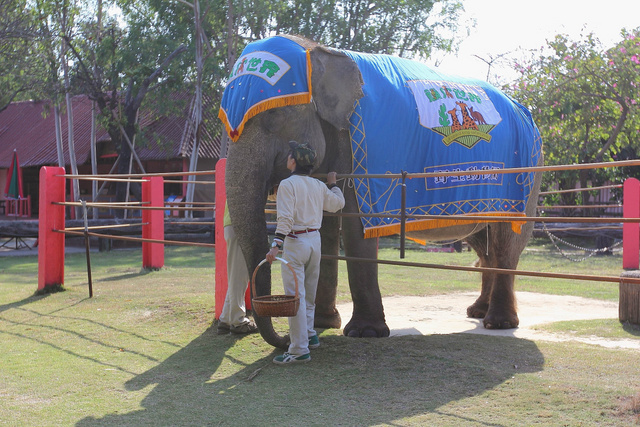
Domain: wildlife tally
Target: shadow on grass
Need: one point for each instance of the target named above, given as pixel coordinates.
(142, 272)
(87, 338)
(348, 382)
(631, 329)
(25, 301)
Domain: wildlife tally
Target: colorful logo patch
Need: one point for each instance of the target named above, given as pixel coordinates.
(261, 64)
(459, 112)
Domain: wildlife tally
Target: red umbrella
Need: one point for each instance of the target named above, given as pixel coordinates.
(13, 188)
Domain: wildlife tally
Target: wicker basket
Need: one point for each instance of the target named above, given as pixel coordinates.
(275, 305)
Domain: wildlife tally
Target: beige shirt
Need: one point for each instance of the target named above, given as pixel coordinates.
(300, 202)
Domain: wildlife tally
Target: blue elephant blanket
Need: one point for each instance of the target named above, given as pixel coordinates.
(411, 119)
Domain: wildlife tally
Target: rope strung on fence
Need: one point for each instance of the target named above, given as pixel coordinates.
(191, 223)
(138, 239)
(617, 205)
(106, 179)
(489, 218)
(168, 204)
(603, 165)
(138, 175)
(135, 206)
(172, 181)
(579, 190)
(616, 227)
(586, 277)
(104, 227)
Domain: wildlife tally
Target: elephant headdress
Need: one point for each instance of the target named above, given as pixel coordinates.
(271, 73)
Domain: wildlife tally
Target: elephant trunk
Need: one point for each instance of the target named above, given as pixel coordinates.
(246, 188)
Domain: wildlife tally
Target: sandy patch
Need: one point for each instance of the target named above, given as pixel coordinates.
(446, 314)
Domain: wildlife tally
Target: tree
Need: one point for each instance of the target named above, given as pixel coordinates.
(17, 31)
(409, 28)
(117, 67)
(584, 100)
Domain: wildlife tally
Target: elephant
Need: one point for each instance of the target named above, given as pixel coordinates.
(256, 163)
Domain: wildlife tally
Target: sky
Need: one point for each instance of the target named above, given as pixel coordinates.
(510, 25)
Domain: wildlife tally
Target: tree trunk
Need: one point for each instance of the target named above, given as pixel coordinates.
(197, 111)
(94, 160)
(56, 118)
(75, 184)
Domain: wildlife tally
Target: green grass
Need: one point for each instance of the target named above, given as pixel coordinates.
(538, 257)
(143, 351)
(601, 328)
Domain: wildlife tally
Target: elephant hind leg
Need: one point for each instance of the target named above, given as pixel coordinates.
(328, 320)
(502, 313)
(496, 304)
(478, 310)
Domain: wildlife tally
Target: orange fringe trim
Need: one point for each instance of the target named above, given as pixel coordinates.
(267, 104)
(309, 74)
(389, 230)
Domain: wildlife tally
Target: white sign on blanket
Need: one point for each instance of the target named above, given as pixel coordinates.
(459, 112)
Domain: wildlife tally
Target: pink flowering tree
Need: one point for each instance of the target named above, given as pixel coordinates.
(585, 101)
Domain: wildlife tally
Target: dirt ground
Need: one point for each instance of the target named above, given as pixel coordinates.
(446, 314)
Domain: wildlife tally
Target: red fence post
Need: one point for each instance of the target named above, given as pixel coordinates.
(221, 244)
(51, 217)
(153, 253)
(631, 231)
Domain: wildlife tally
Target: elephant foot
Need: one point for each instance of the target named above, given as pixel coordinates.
(501, 320)
(360, 328)
(328, 320)
(477, 310)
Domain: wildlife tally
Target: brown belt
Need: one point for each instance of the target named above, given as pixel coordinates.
(308, 230)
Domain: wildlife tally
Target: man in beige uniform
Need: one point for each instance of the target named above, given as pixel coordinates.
(300, 202)
(233, 317)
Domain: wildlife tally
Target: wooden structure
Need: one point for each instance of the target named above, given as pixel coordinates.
(629, 305)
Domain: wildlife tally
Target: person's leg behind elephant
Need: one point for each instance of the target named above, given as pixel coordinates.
(234, 316)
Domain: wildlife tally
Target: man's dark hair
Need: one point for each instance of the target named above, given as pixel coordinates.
(304, 156)
(302, 170)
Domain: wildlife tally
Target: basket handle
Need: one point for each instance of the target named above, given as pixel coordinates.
(285, 262)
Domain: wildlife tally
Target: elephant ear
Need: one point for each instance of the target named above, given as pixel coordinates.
(336, 84)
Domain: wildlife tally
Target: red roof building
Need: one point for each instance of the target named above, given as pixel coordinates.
(164, 144)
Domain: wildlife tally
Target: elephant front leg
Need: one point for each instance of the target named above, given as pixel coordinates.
(368, 313)
(367, 320)
(496, 304)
